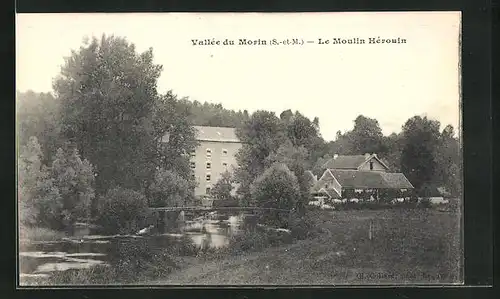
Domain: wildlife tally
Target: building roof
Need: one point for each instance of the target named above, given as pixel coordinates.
(345, 162)
(352, 162)
(219, 134)
(371, 179)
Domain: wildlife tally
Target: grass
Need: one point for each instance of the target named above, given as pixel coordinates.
(39, 234)
(407, 246)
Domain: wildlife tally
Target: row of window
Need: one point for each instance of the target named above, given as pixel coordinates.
(208, 165)
(209, 152)
(208, 177)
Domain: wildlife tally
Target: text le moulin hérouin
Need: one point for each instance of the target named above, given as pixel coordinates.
(297, 41)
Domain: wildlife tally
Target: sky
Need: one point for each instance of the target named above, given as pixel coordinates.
(335, 82)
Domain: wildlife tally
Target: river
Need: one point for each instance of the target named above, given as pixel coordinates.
(86, 249)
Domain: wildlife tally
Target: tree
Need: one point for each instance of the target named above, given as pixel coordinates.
(318, 167)
(261, 135)
(295, 159)
(447, 157)
(74, 178)
(171, 120)
(39, 200)
(122, 211)
(366, 137)
(420, 137)
(169, 189)
(38, 116)
(107, 94)
(276, 188)
(392, 158)
(222, 189)
(302, 132)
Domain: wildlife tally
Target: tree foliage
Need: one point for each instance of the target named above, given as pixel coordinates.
(39, 199)
(122, 211)
(38, 116)
(223, 187)
(214, 115)
(170, 189)
(276, 188)
(74, 178)
(107, 95)
(420, 137)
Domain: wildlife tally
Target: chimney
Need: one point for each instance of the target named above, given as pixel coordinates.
(367, 155)
(375, 155)
(335, 156)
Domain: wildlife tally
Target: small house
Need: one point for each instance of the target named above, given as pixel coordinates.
(360, 178)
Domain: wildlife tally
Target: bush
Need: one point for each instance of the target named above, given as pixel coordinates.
(122, 211)
(302, 227)
(276, 188)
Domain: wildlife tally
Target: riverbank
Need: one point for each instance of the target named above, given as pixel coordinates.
(393, 246)
(404, 246)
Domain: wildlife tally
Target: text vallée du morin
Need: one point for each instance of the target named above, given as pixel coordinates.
(297, 41)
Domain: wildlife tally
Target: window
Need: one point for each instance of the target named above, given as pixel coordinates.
(193, 177)
(209, 152)
(193, 153)
(192, 164)
(207, 190)
(371, 165)
(224, 151)
(209, 177)
(209, 165)
(224, 164)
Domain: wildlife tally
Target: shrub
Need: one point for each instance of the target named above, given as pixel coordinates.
(277, 188)
(302, 227)
(122, 211)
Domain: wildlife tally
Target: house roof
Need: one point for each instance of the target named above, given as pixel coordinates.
(353, 162)
(345, 162)
(371, 179)
(219, 134)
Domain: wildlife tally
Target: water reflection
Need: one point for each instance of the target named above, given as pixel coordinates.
(38, 259)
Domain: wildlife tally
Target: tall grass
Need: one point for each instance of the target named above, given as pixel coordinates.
(39, 234)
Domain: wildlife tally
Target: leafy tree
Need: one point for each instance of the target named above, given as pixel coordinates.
(420, 137)
(261, 135)
(122, 211)
(318, 168)
(38, 116)
(366, 137)
(295, 158)
(169, 189)
(392, 158)
(107, 94)
(208, 114)
(302, 132)
(276, 188)
(174, 138)
(39, 200)
(222, 189)
(74, 178)
(447, 156)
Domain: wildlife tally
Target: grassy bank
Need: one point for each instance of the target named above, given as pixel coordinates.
(406, 246)
(391, 246)
(39, 234)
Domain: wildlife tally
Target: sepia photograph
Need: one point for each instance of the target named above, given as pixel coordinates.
(239, 149)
